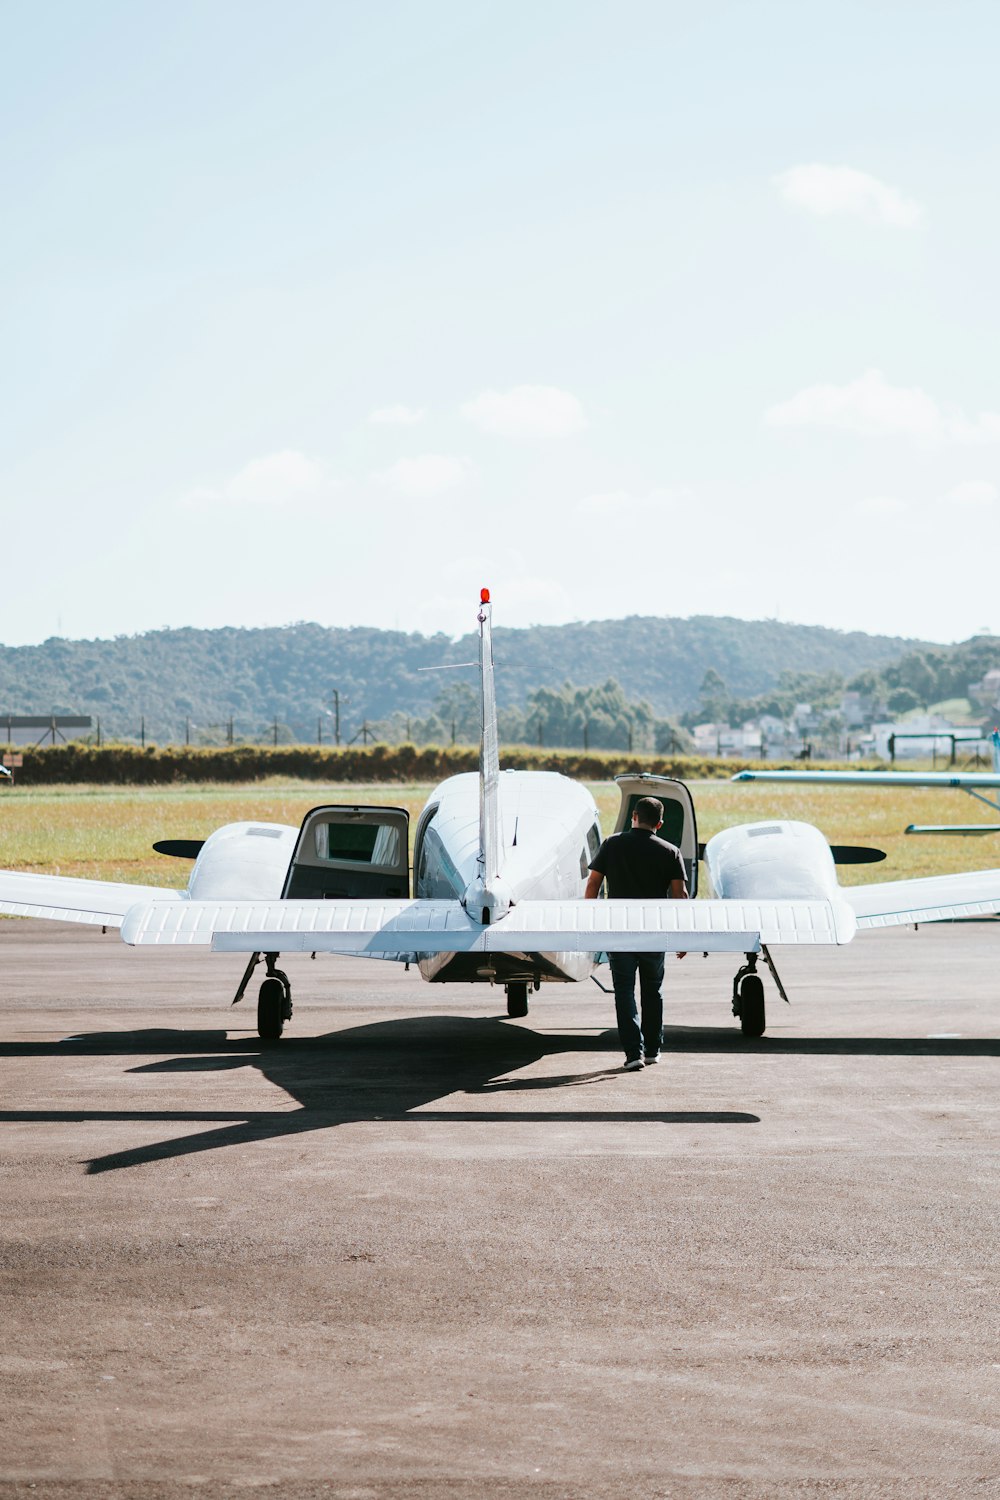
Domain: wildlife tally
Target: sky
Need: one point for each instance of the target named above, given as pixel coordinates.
(339, 312)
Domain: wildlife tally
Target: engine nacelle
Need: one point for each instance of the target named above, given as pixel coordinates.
(243, 862)
(772, 861)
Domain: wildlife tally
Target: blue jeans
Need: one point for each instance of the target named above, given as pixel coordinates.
(646, 1037)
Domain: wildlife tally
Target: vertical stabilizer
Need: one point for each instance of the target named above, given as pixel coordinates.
(489, 749)
(487, 897)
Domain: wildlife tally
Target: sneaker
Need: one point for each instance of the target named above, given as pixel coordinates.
(652, 1058)
(632, 1064)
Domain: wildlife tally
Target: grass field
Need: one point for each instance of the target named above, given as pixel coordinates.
(107, 833)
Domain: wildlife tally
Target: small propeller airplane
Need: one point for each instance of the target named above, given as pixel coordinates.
(975, 783)
(500, 863)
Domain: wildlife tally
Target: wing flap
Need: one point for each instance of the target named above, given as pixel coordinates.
(934, 898)
(63, 898)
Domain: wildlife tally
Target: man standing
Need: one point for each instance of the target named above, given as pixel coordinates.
(639, 866)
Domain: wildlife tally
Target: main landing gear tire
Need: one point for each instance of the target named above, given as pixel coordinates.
(517, 999)
(271, 1010)
(752, 1017)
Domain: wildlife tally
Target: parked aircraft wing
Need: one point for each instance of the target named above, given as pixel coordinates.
(402, 929)
(878, 778)
(61, 898)
(936, 898)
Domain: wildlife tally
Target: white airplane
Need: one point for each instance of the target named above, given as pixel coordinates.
(975, 783)
(500, 863)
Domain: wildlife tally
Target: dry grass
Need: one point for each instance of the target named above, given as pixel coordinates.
(107, 833)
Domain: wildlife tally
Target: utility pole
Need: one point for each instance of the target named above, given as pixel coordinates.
(586, 734)
(187, 731)
(336, 717)
(142, 731)
(319, 731)
(276, 731)
(229, 732)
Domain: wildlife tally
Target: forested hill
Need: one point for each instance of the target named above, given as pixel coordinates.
(256, 676)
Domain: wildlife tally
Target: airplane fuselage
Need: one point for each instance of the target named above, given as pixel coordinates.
(549, 832)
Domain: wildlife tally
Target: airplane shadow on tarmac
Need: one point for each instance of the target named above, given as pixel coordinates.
(391, 1070)
(387, 1070)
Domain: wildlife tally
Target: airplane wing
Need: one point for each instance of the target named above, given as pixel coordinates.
(102, 903)
(877, 778)
(403, 929)
(936, 898)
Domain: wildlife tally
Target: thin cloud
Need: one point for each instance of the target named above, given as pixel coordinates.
(827, 191)
(872, 407)
(425, 475)
(622, 505)
(526, 411)
(276, 479)
(880, 506)
(396, 416)
(973, 494)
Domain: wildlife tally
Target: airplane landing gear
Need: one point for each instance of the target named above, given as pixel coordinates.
(274, 999)
(748, 998)
(748, 993)
(517, 998)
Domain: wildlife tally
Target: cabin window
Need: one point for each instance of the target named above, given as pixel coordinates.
(593, 841)
(358, 843)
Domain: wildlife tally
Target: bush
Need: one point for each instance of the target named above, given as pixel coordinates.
(128, 765)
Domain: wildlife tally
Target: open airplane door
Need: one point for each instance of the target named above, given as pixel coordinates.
(350, 851)
(679, 826)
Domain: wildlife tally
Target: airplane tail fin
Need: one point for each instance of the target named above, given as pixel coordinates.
(489, 750)
(487, 896)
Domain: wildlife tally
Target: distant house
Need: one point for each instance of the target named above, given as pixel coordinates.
(752, 739)
(857, 709)
(987, 692)
(720, 739)
(805, 719)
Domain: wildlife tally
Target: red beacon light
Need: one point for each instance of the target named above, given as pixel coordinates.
(484, 596)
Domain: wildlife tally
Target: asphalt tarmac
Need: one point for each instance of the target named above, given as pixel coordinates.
(416, 1249)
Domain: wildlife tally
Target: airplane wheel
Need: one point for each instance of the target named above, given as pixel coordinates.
(271, 1010)
(517, 999)
(752, 1018)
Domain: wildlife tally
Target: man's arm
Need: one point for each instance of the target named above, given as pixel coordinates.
(594, 882)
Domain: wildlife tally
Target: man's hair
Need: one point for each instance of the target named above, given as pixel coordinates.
(648, 811)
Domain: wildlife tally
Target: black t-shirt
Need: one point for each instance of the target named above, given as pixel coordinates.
(638, 866)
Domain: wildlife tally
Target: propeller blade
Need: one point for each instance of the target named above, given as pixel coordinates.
(179, 848)
(855, 854)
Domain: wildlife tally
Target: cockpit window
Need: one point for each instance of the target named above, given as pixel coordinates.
(358, 843)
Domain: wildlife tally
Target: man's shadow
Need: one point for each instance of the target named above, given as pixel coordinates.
(386, 1070)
